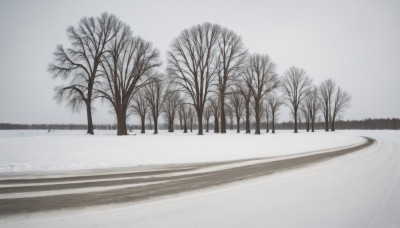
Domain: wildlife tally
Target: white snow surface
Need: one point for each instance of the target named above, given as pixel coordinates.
(360, 189)
(35, 151)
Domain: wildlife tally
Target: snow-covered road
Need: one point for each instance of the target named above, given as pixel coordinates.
(361, 189)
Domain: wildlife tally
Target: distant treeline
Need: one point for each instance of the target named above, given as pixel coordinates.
(367, 124)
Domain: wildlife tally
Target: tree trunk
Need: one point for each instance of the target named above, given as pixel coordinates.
(216, 124)
(180, 122)
(333, 124)
(191, 125)
(312, 124)
(267, 122)
(273, 123)
(257, 109)
(237, 124)
(326, 121)
(89, 118)
(223, 117)
(231, 123)
(171, 124)
(308, 124)
(155, 124)
(207, 123)
(185, 126)
(121, 123)
(143, 119)
(295, 120)
(248, 117)
(200, 122)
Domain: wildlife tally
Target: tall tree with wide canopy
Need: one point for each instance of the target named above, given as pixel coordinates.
(191, 61)
(124, 66)
(296, 85)
(261, 78)
(80, 63)
(231, 56)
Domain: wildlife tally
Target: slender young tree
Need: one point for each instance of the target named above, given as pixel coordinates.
(207, 115)
(79, 64)
(191, 114)
(191, 61)
(236, 101)
(326, 91)
(245, 91)
(306, 114)
(312, 105)
(267, 115)
(231, 56)
(342, 101)
(139, 106)
(215, 109)
(296, 85)
(261, 79)
(184, 110)
(155, 95)
(274, 103)
(180, 115)
(171, 104)
(124, 67)
(230, 112)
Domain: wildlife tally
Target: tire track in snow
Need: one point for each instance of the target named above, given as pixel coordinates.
(129, 187)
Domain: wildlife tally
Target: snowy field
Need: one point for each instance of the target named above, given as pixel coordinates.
(35, 151)
(361, 189)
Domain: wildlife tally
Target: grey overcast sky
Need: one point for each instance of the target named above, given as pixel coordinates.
(357, 43)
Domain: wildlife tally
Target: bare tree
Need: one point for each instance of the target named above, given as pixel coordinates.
(139, 106)
(180, 115)
(245, 91)
(127, 61)
(215, 109)
(171, 104)
(229, 110)
(267, 115)
(274, 103)
(261, 79)
(231, 56)
(184, 110)
(79, 64)
(207, 115)
(191, 114)
(296, 85)
(342, 101)
(155, 93)
(190, 61)
(312, 105)
(236, 101)
(306, 114)
(326, 91)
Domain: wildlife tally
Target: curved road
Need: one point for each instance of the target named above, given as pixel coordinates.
(44, 194)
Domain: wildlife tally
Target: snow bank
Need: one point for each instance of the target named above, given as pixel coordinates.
(30, 150)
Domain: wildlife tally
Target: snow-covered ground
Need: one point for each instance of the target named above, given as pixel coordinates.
(361, 189)
(30, 151)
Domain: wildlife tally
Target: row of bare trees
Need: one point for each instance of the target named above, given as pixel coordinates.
(210, 75)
